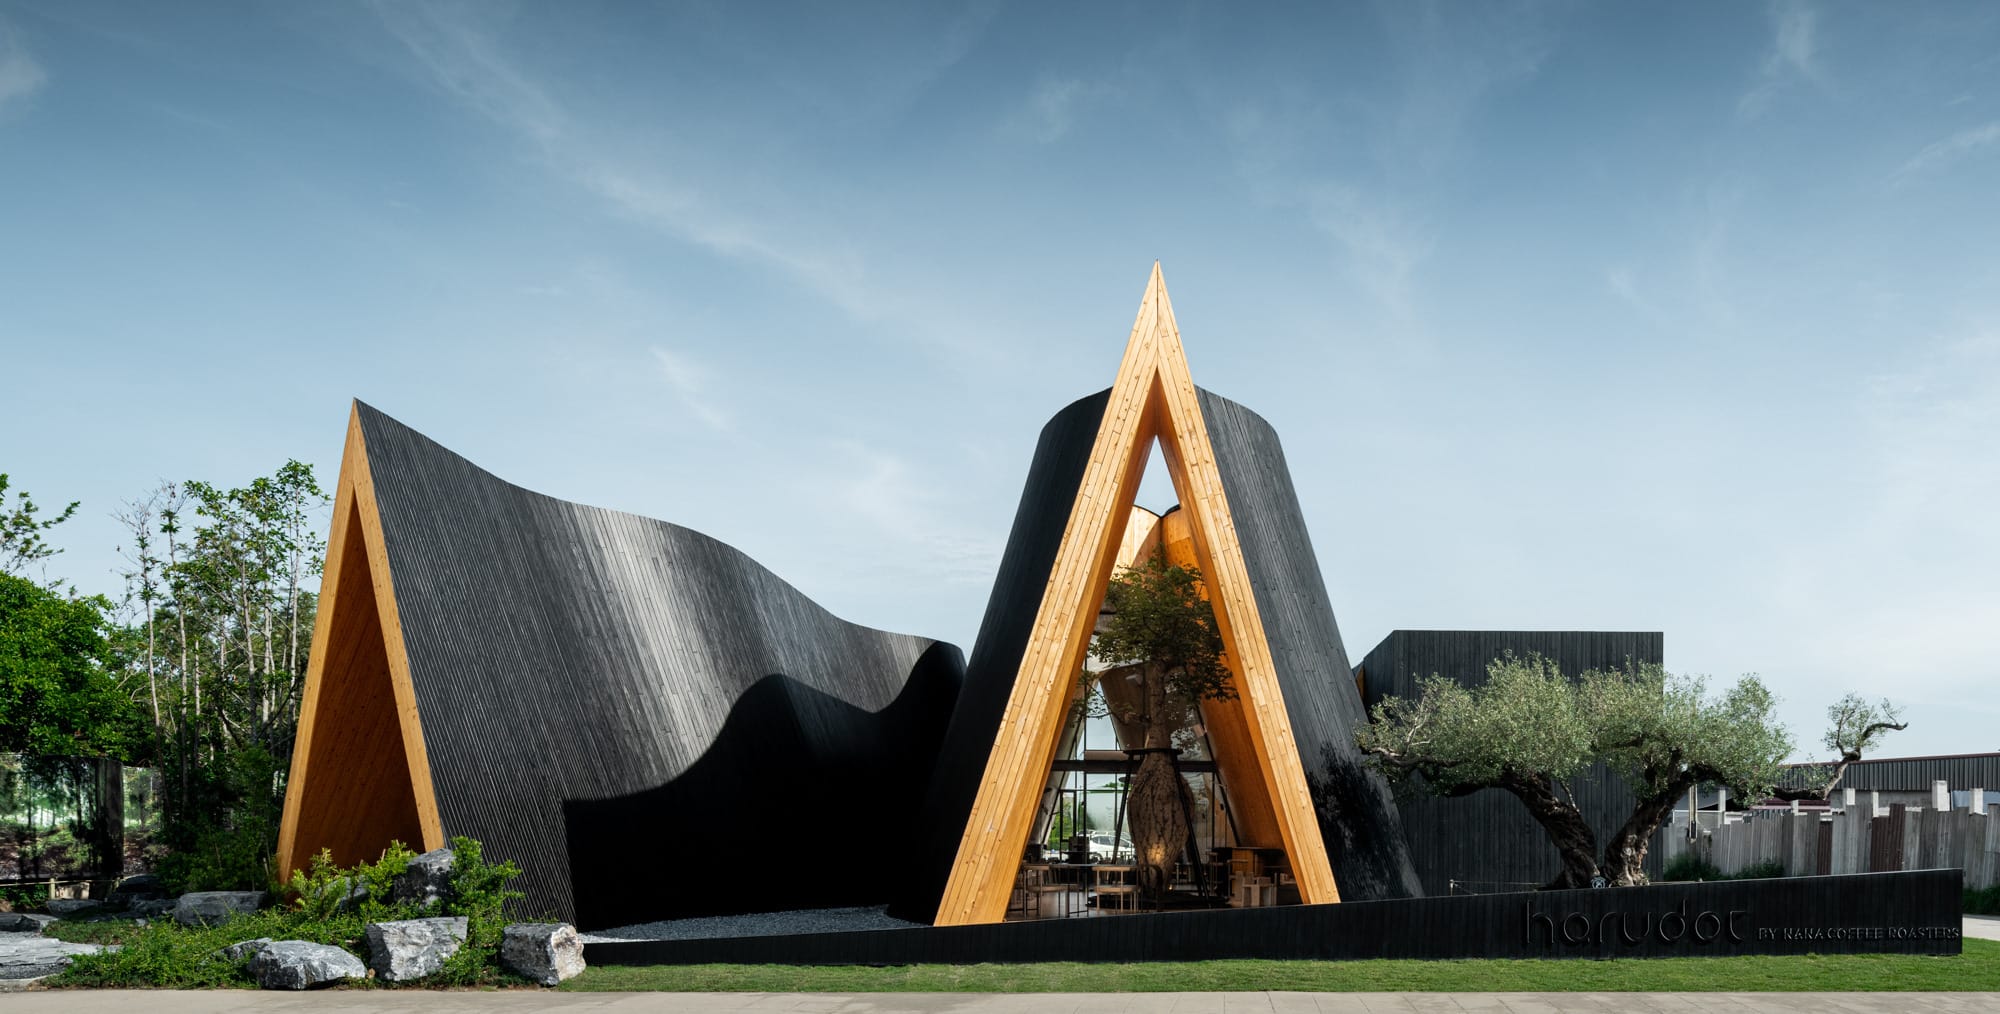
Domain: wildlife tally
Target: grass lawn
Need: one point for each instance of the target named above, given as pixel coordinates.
(1978, 969)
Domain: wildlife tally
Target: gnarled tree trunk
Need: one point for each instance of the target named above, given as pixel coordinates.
(1158, 814)
(1575, 842)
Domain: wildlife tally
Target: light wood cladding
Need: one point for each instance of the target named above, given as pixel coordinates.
(1153, 398)
(1237, 761)
(360, 775)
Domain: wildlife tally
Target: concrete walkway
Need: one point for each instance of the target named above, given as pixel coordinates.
(514, 1002)
(1983, 927)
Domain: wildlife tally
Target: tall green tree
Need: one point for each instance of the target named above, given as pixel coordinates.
(21, 541)
(58, 692)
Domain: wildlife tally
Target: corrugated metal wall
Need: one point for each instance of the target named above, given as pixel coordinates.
(1486, 842)
(1908, 774)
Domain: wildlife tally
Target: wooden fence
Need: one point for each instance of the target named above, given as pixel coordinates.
(1858, 839)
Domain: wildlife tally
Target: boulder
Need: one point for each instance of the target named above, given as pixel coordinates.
(133, 890)
(153, 908)
(61, 907)
(242, 949)
(547, 952)
(144, 885)
(24, 922)
(410, 949)
(426, 881)
(296, 964)
(207, 908)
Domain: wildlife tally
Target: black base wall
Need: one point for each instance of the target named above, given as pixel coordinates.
(1874, 913)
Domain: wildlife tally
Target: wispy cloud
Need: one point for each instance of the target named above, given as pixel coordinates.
(1794, 56)
(1052, 108)
(462, 54)
(1943, 153)
(1383, 246)
(20, 74)
(692, 383)
(883, 490)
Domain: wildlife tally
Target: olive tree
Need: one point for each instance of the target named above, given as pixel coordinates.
(1530, 731)
(1162, 631)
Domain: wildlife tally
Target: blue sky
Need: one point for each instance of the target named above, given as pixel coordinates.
(1682, 318)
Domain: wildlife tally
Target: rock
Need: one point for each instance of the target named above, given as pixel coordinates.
(24, 922)
(296, 964)
(133, 890)
(26, 957)
(547, 952)
(240, 950)
(60, 907)
(413, 948)
(206, 908)
(153, 908)
(426, 881)
(144, 885)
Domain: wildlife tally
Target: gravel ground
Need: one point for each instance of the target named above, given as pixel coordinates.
(761, 924)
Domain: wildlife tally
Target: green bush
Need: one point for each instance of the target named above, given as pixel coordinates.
(1983, 902)
(1765, 870)
(1691, 866)
(163, 954)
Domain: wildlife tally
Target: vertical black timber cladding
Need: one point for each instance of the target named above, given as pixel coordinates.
(1357, 812)
(1873, 913)
(1486, 841)
(625, 707)
(1061, 455)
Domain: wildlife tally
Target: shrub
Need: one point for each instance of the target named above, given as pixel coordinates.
(1691, 866)
(1765, 870)
(163, 954)
(1983, 902)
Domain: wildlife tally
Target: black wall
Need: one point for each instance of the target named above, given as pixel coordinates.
(1874, 913)
(648, 722)
(1487, 840)
(1356, 812)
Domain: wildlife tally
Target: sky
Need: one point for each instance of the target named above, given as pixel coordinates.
(1571, 316)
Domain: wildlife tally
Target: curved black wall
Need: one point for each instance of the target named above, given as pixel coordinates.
(1356, 811)
(650, 723)
(1060, 457)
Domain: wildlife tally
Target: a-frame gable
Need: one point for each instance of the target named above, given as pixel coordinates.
(1153, 398)
(360, 774)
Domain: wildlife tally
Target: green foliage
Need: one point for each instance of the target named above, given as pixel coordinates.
(21, 541)
(57, 696)
(1983, 902)
(1162, 624)
(164, 954)
(318, 890)
(1525, 718)
(1691, 866)
(378, 879)
(227, 844)
(1766, 870)
(1662, 732)
(1977, 970)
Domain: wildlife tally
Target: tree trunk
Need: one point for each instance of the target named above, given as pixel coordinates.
(1575, 843)
(1625, 853)
(1158, 820)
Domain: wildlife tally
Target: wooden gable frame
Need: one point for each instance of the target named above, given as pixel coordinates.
(360, 774)
(1154, 398)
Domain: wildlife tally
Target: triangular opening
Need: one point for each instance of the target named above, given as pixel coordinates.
(1081, 855)
(351, 776)
(1153, 402)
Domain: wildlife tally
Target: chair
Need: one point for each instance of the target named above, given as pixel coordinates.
(1039, 885)
(1114, 881)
